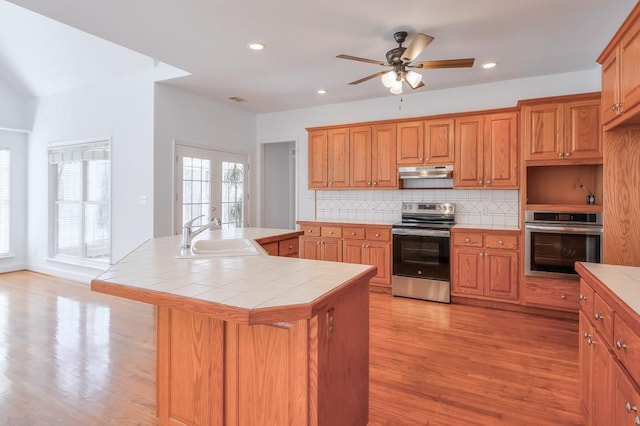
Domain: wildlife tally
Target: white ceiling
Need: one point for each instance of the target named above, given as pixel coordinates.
(208, 39)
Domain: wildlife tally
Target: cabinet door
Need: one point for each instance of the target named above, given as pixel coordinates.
(360, 157)
(600, 410)
(467, 271)
(543, 131)
(629, 77)
(384, 172)
(438, 141)
(338, 158)
(501, 274)
(610, 87)
(318, 159)
(501, 150)
(410, 142)
(469, 143)
(583, 133)
(331, 249)
(353, 251)
(379, 255)
(585, 364)
(310, 248)
(625, 392)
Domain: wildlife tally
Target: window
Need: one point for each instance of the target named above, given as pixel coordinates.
(196, 181)
(232, 194)
(81, 194)
(4, 201)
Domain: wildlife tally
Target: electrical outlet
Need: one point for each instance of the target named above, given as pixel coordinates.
(330, 313)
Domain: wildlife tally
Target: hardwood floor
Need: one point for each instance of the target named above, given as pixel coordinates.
(69, 356)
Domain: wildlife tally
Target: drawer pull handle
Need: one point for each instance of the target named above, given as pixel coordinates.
(598, 316)
(585, 335)
(500, 242)
(290, 246)
(590, 341)
(637, 420)
(377, 235)
(467, 240)
(353, 233)
(582, 297)
(630, 407)
(620, 345)
(330, 232)
(563, 297)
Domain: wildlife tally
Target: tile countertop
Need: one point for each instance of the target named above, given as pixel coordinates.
(243, 289)
(623, 281)
(347, 222)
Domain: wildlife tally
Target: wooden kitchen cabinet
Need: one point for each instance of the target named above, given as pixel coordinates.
(562, 128)
(486, 151)
(373, 157)
(329, 158)
(321, 249)
(282, 245)
(368, 252)
(551, 293)
(620, 77)
(429, 142)
(485, 265)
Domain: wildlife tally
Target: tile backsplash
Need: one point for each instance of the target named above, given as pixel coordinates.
(473, 207)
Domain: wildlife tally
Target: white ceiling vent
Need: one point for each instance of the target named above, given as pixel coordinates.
(237, 99)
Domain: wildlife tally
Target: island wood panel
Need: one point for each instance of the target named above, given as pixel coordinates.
(621, 233)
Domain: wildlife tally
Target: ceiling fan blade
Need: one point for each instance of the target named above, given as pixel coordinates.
(355, 58)
(447, 63)
(419, 85)
(417, 45)
(369, 77)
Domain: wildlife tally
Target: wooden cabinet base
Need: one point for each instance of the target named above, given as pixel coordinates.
(308, 372)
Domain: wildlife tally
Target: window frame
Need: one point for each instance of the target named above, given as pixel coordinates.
(8, 186)
(76, 146)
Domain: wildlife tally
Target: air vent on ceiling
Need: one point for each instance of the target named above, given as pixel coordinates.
(237, 99)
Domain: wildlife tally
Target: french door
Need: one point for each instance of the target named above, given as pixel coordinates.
(210, 183)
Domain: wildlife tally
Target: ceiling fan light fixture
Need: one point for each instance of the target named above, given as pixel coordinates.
(389, 78)
(396, 87)
(257, 46)
(413, 78)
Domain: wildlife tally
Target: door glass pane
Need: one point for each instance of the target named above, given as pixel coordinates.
(196, 177)
(232, 194)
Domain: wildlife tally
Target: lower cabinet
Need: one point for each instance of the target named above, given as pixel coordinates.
(485, 265)
(551, 293)
(349, 243)
(286, 246)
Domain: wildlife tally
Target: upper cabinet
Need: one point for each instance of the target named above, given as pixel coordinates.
(373, 157)
(329, 158)
(555, 130)
(621, 75)
(486, 151)
(429, 142)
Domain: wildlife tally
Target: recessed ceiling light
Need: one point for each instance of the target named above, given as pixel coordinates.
(488, 65)
(322, 91)
(257, 46)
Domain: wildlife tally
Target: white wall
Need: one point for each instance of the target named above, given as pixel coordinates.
(191, 119)
(17, 144)
(121, 109)
(290, 125)
(278, 186)
(14, 108)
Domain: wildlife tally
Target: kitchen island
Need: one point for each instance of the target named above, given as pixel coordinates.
(255, 339)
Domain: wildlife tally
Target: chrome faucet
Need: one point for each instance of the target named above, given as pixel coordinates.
(188, 233)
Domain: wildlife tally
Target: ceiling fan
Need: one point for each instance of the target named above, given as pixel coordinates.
(401, 58)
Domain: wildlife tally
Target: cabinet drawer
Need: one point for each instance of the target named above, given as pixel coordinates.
(288, 248)
(586, 299)
(378, 234)
(603, 318)
(626, 344)
(353, 233)
(467, 239)
(311, 230)
(271, 248)
(552, 294)
(331, 231)
(509, 242)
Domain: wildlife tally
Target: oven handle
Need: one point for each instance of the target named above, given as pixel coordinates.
(421, 232)
(586, 230)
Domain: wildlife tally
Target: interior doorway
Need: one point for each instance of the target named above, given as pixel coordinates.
(279, 185)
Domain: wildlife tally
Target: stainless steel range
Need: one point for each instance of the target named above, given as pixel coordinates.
(421, 251)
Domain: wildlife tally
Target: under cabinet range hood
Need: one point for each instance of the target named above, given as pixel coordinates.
(417, 177)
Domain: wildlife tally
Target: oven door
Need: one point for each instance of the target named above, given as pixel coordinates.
(553, 250)
(421, 254)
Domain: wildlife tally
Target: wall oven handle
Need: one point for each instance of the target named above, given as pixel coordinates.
(587, 230)
(421, 232)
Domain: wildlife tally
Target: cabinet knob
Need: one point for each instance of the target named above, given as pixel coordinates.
(480, 254)
(563, 297)
(585, 335)
(375, 183)
(500, 242)
(636, 421)
(330, 183)
(560, 154)
(419, 272)
(598, 316)
(428, 158)
(467, 240)
(309, 230)
(325, 184)
(630, 407)
(590, 341)
(368, 183)
(353, 233)
(377, 235)
(330, 232)
(582, 297)
(488, 182)
(421, 159)
(567, 154)
(480, 182)
(290, 246)
(620, 345)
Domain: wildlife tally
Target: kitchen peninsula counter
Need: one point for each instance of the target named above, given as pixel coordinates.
(252, 339)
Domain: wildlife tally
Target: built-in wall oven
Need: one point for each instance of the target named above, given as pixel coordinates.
(555, 241)
(421, 251)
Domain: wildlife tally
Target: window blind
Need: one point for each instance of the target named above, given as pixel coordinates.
(79, 152)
